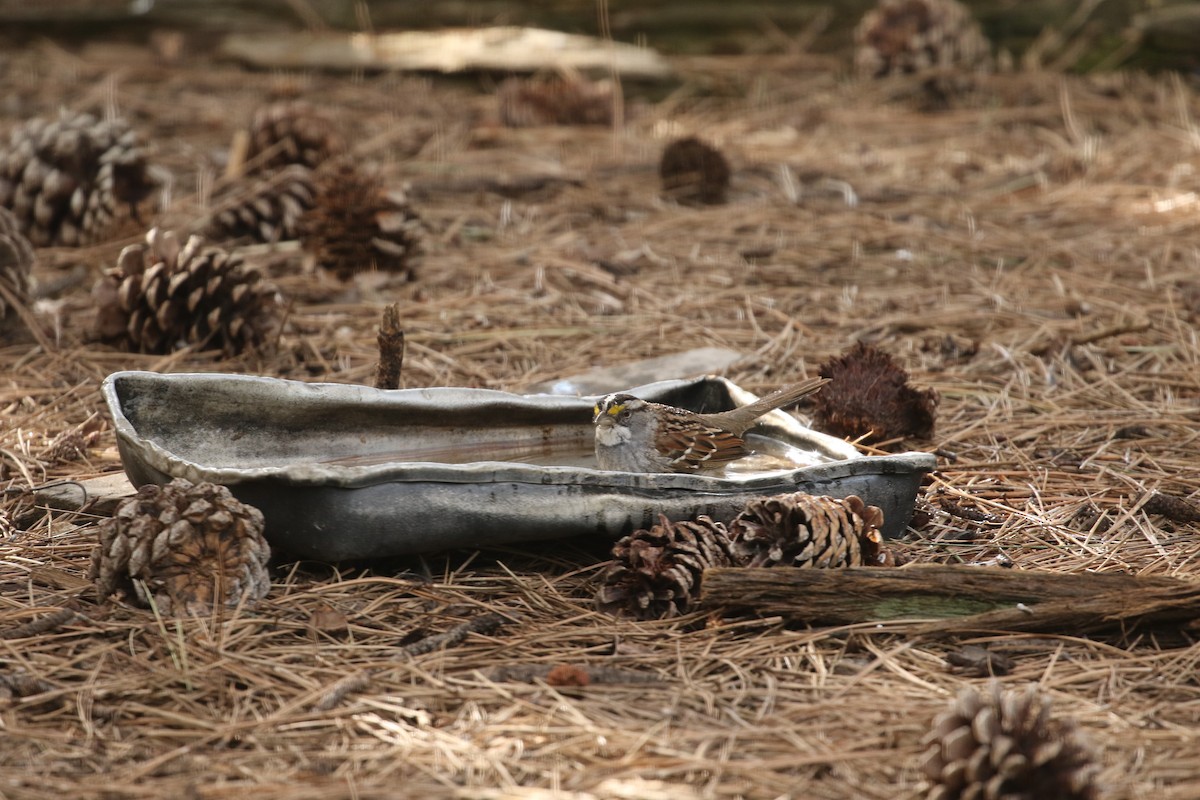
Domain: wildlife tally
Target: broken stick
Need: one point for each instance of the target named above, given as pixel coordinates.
(391, 349)
(361, 680)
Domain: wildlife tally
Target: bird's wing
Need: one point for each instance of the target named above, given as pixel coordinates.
(690, 453)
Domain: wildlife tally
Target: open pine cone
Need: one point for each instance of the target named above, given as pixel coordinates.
(869, 396)
(356, 224)
(66, 180)
(291, 133)
(908, 36)
(162, 296)
(267, 210)
(656, 573)
(694, 172)
(73, 443)
(999, 745)
(16, 263)
(185, 547)
(804, 530)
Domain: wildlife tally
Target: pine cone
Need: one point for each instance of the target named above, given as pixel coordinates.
(73, 443)
(66, 179)
(656, 572)
(572, 100)
(356, 224)
(16, 263)
(869, 396)
(162, 296)
(906, 36)
(291, 133)
(1004, 746)
(803, 530)
(268, 210)
(694, 172)
(184, 547)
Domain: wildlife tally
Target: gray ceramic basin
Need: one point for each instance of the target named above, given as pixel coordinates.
(350, 472)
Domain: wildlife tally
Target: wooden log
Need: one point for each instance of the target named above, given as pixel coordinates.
(632, 15)
(495, 49)
(1122, 611)
(680, 26)
(961, 598)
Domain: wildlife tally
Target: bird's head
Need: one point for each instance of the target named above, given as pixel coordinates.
(616, 409)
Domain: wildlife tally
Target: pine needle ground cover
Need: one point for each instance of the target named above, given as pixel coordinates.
(1030, 250)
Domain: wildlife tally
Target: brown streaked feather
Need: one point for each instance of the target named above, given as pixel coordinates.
(688, 453)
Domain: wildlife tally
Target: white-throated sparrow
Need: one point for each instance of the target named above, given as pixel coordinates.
(633, 435)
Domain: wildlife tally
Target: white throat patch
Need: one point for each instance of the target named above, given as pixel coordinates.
(612, 435)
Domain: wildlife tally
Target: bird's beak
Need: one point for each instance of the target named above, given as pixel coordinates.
(607, 416)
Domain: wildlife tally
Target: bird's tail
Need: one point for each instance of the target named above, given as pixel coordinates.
(780, 398)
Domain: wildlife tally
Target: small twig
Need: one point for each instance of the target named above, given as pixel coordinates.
(235, 165)
(485, 624)
(27, 316)
(511, 188)
(43, 624)
(60, 580)
(956, 509)
(359, 681)
(61, 282)
(21, 684)
(979, 662)
(391, 349)
(1173, 508)
(1094, 336)
(568, 674)
(336, 693)
(1110, 331)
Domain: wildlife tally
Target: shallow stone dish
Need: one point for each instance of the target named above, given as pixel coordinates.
(352, 472)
